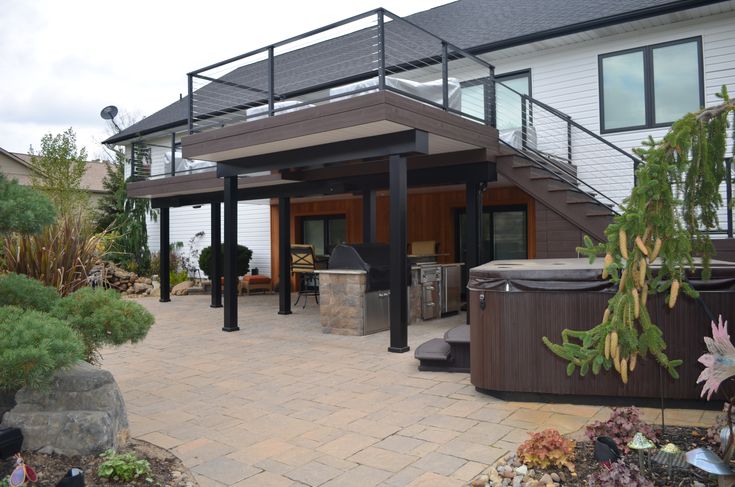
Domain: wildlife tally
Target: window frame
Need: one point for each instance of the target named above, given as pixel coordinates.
(648, 83)
(326, 218)
(521, 73)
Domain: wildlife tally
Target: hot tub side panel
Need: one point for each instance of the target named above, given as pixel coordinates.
(509, 356)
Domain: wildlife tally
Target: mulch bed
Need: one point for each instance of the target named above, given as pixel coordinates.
(686, 438)
(167, 470)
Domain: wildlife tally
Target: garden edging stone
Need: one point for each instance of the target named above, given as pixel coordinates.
(80, 413)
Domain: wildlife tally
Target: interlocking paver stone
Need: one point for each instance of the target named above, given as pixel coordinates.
(286, 405)
(226, 470)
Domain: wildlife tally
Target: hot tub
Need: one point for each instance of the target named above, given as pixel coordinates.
(514, 303)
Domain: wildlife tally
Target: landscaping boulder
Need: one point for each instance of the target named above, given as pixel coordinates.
(81, 413)
(182, 288)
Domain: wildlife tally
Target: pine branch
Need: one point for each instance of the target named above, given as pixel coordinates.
(664, 221)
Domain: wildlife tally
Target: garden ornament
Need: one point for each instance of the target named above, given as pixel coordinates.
(640, 443)
(669, 454)
(606, 451)
(719, 365)
(727, 446)
(22, 474)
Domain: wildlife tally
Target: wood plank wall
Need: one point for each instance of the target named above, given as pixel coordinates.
(431, 216)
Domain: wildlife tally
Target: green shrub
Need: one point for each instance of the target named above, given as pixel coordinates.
(175, 278)
(242, 266)
(123, 467)
(19, 290)
(33, 345)
(102, 318)
(60, 256)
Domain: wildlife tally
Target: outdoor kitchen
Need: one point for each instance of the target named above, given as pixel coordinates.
(355, 295)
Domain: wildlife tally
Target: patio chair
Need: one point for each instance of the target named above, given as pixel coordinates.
(303, 263)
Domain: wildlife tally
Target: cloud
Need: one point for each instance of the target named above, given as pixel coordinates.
(61, 62)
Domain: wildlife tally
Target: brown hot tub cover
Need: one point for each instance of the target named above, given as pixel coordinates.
(574, 275)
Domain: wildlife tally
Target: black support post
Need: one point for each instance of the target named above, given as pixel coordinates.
(284, 256)
(398, 258)
(173, 154)
(728, 194)
(368, 216)
(230, 323)
(473, 227)
(214, 271)
(165, 263)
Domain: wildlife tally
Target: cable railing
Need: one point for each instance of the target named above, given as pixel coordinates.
(378, 50)
(156, 161)
(369, 52)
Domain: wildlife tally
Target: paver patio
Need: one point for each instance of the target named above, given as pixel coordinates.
(281, 404)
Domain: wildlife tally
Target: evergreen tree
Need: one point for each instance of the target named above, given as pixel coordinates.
(126, 218)
(665, 221)
(23, 209)
(60, 167)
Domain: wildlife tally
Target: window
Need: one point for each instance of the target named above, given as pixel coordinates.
(650, 86)
(503, 234)
(508, 100)
(323, 232)
(509, 103)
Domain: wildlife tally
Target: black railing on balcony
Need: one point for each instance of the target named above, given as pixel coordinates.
(378, 50)
(155, 161)
(373, 51)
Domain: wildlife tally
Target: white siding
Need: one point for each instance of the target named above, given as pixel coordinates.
(566, 78)
(253, 230)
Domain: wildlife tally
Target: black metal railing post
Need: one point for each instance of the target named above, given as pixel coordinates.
(524, 122)
(132, 160)
(381, 49)
(271, 81)
(190, 83)
(491, 112)
(445, 76)
(173, 153)
(569, 139)
(728, 194)
(636, 163)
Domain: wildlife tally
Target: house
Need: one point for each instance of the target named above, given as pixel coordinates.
(16, 165)
(497, 129)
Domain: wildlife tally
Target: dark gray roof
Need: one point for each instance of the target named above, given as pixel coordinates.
(474, 25)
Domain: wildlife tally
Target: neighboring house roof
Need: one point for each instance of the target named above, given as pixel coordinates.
(91, 181)
(474, 25)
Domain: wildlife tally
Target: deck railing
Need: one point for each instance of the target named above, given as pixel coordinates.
(156, 161)
(372, 51)
(378, 50)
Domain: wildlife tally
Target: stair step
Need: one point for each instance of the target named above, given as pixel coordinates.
(459, 334)
(522, 163)
(434, 349)
(599, 213)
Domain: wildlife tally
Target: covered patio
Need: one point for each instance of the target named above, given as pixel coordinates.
(284, 405)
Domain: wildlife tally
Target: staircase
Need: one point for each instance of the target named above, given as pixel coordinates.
(557, 189)
(448, 354)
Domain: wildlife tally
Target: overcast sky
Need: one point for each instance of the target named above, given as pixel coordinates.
(61, 62)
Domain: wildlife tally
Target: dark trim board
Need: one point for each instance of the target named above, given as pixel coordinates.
(405, 143)
(434, 176)
(351, 114)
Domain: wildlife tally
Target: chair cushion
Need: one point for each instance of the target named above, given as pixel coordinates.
(259, 279)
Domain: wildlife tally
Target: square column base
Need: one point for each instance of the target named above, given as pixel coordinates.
(399, 349)
(235, 328)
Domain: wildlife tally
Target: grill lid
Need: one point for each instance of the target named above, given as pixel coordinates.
(373, 258)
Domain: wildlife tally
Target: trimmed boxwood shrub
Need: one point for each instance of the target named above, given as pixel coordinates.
(19, 290)
(34, 345)
(102, 318)
(244, 255)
